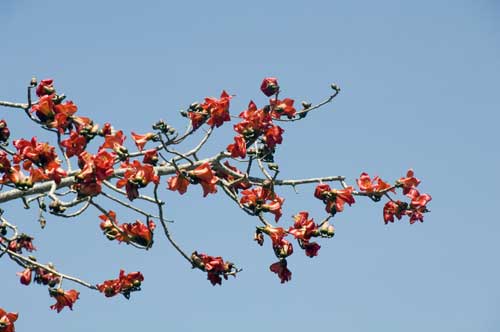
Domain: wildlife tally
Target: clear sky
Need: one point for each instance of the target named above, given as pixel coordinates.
(419, 86)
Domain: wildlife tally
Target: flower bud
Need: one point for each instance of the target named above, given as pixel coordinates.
(4, 131)
(269, 86)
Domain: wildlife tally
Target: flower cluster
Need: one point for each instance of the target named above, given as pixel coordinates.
(417, 206)
(262, 199)
(215, 267)
(124, 284)
(257, 124)
(334, 199)
(39, 159)
(203, 175)
(303, 229)
(23, 241)
(137, 233)
(93, 170)
(213, 111)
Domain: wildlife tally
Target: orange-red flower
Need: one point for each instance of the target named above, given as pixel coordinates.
(94, 169)
(368, 185)
(260, 199)
(204, 175)
(272, 136)
(218, 109)
(136, 176)
(137, 232)
(7, 320)
(303, 227)
(150, 157)
(214, 266)
(282, 107)
(197, 118)
(178, 183)
(125, 284)
(25, 277)
(115, 142)
(74, 144)
(141, 140)
(44, 109)
(280, 268)
(334, 199)
(269, 86)
(238, 148)
(409, 182)
(63, 298)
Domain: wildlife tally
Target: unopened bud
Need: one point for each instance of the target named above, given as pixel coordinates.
(335, 87)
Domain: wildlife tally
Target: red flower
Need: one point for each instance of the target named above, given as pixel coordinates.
(218, 109)
(115, 142)
(311, 248)
(137, 232)
(4, 162)
(150, 157)
(197, 118)
(33, 152)
(275, 233)
(269, 86)
(63, 298)
(46, 278)
(125, 284)
(282, 107)
(23, 241)
(256, 199)
(334, 199)
(321, 190)
(136, 176)
(280, 268)
(44, 110)
(75, 144)
(272, 136)
(7, 320)
(45, 87)
(141, 140)
(343, 196)
(408, 182)
(25, 277)
(178, 183)
(303, 228)
(214, 266)
(418, 200)
(392, 209)
(366, 184)
(204, 175)
(239, 148)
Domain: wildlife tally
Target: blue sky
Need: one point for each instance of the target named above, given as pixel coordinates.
(419, 90)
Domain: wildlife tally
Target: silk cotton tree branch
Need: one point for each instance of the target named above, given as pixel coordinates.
(33, 172)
